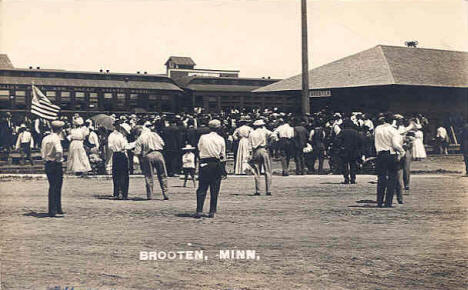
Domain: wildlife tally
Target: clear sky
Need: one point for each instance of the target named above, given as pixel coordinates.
(258, 37)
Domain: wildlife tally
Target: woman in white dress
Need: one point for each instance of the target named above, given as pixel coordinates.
(242, 158)
(419, 152)
(78, 161)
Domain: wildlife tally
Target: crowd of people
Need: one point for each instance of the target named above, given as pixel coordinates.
(173, 144)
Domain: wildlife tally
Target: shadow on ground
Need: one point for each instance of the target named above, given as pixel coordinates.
(40, 215)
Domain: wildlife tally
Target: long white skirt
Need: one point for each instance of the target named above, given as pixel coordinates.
(419, 152)
(77, 159)
(242, 160)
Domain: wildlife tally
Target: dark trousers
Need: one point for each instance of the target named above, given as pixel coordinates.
(349, 168)
(130, 161)
(465, 157)
(189, 172)
(286, 151)
(26, 150)
(210, 173)
(172, 158)
(387, 171)
(299, 159)
(54, 173)
(318, 154)
(407, 168)
(37, 137)
(120, 174)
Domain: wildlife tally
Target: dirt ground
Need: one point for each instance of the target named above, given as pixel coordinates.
(312, 233)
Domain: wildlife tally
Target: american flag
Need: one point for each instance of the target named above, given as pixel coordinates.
(42, 106)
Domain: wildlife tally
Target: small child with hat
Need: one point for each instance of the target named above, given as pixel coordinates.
(188, 163)
(25, 143)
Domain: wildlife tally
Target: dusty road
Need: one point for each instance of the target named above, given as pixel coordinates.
(312, 233)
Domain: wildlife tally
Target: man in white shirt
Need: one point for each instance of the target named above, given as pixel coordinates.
(259, 139)
(442, 140)
(25, 143)
(285, 135)
(118, 144)
(388, 144)
(149, 146)
(212, 152)
(52, 154)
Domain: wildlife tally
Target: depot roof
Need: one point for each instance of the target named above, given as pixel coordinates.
(385, 65)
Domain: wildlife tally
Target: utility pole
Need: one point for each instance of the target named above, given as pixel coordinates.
(305, 62)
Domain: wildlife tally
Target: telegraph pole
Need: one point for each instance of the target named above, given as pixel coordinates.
(305, 62)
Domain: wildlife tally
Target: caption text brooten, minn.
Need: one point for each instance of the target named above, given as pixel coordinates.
(198, 255)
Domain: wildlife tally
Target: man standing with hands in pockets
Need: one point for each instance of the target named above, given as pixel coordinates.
(212, 150)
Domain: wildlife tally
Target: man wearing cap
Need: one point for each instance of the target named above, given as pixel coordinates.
(149, 146)
(259, 139)
(389, 153)
(52, 154)
(118, 145)
(212, 152)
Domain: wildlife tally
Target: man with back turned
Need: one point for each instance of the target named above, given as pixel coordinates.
(212, 152)
(388, 144)
(52, 154)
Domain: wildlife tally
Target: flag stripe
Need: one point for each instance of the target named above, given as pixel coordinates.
(45, 107)
(50, 106)
(48, 117)
(42, 106)
(42, 110)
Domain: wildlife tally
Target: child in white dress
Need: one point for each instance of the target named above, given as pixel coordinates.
(188, 164)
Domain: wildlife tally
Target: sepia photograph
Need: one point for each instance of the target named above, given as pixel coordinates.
(233, 144)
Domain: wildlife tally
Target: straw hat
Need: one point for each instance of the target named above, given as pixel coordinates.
(214, 124)
(259, 123)
(126, 127)
(188, 147)
(57, 124)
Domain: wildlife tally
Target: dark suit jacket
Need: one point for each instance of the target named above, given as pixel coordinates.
(350, 144)
(173, 138)
(301, 135)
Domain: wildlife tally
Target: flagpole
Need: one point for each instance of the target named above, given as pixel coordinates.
(305, 62)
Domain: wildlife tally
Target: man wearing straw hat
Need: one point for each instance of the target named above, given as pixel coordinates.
(118, 144)
(149, 146)
(52, 154)
(259, 139)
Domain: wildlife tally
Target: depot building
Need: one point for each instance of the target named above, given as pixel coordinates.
(386, 78)
(182, 88)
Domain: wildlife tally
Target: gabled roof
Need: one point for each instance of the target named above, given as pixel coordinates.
(181, 60)
(385, 65)
(5, 62)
